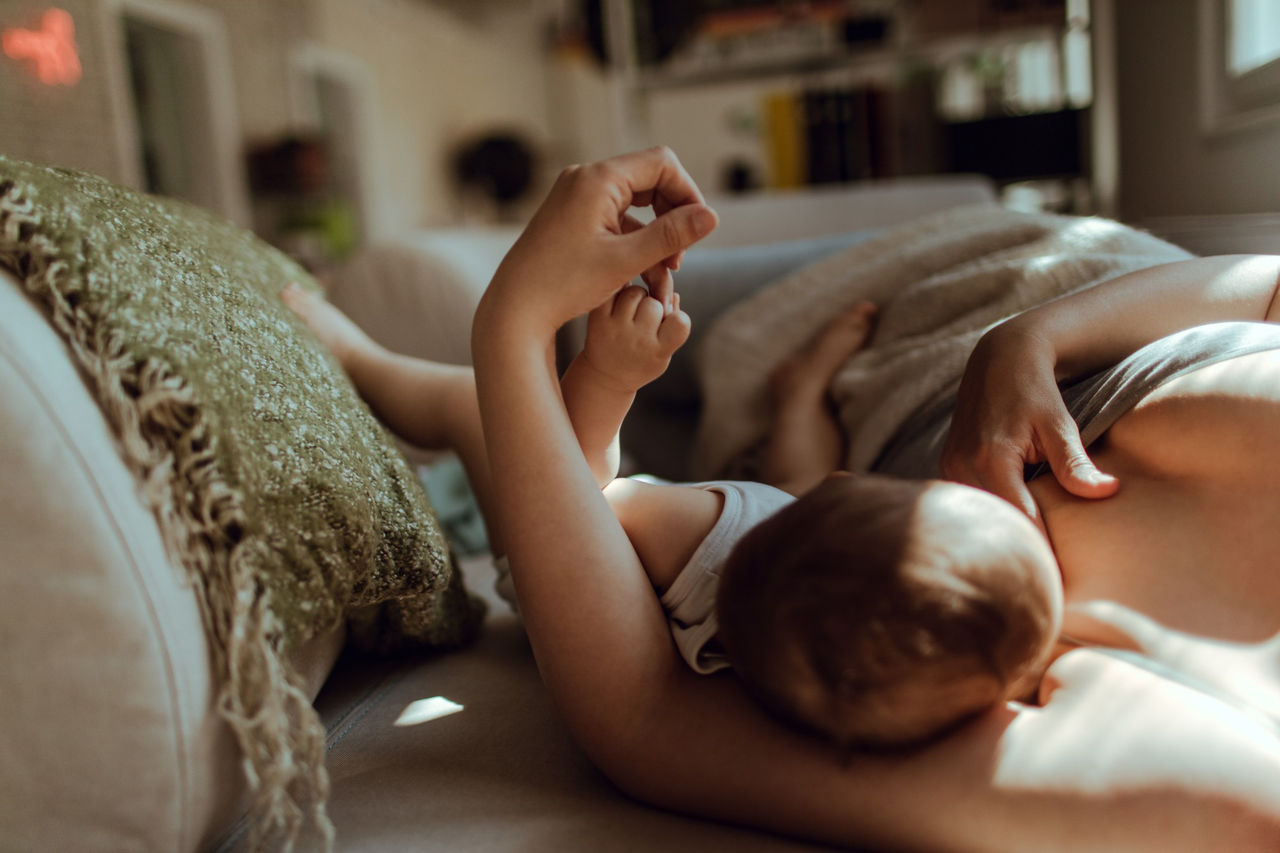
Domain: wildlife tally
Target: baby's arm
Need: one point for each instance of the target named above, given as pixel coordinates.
(629, 344)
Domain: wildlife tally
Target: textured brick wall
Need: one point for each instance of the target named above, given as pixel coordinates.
(66, 125)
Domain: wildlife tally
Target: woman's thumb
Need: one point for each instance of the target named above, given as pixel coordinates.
(668, 234)
(1075, 471)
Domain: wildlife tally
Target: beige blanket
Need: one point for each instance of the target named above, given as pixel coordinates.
(939, 283)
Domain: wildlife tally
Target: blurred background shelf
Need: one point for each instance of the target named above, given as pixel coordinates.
(780, 95)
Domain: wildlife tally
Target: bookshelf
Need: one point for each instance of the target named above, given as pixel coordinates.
(783, 95)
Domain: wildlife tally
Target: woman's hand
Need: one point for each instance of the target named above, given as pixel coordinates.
(1010, 413)
(582, 246)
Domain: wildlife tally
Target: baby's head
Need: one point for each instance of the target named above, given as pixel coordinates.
(881, 611)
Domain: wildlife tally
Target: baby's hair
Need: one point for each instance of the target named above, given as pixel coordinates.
(850, 614)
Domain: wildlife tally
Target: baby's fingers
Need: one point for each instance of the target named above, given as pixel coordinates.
(674, 330)
(649, 314)
(661, 286)
(628, 301)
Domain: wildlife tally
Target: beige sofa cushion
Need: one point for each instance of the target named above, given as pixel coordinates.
(467, 752)
(109, 741)
(416, 294)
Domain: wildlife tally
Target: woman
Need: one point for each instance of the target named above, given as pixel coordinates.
(1119, 756)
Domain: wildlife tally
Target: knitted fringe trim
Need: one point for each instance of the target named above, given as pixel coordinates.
(165, 441)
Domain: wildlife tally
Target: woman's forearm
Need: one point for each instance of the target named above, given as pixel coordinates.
(1009, 411)
(1099, 326)
(579, 581)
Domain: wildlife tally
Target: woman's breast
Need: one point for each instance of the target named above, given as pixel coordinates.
(1192, 539)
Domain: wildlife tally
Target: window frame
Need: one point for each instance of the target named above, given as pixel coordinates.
(1232, 103)
(211, 93)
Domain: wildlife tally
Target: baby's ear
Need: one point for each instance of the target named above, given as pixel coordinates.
(1048, 685)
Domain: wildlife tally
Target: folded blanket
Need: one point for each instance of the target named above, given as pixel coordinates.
(939, 282)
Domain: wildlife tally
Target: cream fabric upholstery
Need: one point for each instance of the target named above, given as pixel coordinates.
(415, 295)
(108, 740)
(498, 773)
(829, 209)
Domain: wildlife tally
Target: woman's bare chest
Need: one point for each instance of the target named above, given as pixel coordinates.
(1193, 537)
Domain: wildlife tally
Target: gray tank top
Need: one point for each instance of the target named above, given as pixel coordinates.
(1096, 401)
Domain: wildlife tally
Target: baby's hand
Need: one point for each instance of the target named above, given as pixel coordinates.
(630, 341)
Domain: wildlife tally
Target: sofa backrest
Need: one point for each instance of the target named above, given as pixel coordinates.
(828, 209)
(108, 735)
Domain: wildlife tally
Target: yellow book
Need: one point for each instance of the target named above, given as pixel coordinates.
(784, 140)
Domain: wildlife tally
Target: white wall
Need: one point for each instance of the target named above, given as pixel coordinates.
(1168, 165)
(711, 127)
(588, 112)
(259, 33)
(436, 77)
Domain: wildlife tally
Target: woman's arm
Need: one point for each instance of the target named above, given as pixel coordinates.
(1117, 759)
(596, 627)
(1098, 326)
(1009, 411)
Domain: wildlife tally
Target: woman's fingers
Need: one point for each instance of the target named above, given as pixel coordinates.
(582, 245)
(1010, 414)
(1005, 479)
(654, 177)
(657, 277)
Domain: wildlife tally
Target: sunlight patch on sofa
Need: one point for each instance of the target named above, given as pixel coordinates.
(426, 710)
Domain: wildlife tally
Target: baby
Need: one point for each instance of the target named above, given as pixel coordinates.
(881, 611)
(877, 612)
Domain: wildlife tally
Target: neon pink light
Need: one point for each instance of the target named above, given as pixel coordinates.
(52, 48)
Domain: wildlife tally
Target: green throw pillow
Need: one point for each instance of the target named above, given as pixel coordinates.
(274, 487)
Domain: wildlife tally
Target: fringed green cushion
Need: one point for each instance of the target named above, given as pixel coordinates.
(287, 504)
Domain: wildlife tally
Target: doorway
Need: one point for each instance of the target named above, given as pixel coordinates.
(180, 111)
